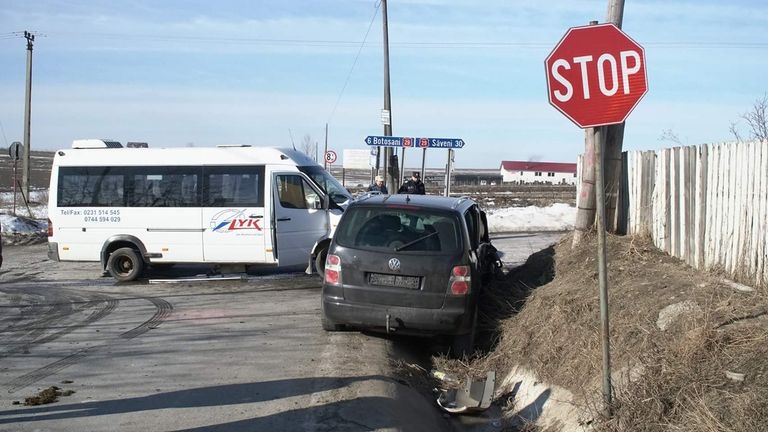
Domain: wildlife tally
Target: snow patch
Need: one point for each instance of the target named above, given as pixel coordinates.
(557, 217)
(22, 225)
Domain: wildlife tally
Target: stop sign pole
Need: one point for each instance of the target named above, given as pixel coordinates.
(595, 77)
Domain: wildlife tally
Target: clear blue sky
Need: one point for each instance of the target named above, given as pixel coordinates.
(179, 72)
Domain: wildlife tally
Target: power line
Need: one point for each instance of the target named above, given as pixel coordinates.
(354, 63)
(21, 34)
(363, 43)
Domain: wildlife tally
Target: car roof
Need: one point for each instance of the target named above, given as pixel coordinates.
(424, 201)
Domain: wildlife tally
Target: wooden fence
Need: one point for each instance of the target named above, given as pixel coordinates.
(706, 204)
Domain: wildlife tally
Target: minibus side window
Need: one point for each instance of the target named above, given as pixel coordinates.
(163, 186)
(240, 186)
(90, 186)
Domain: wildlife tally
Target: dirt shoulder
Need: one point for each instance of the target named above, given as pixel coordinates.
(688, 351)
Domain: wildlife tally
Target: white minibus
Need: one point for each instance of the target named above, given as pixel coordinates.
(130, 208)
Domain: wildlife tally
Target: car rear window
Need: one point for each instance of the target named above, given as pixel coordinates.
(398, 229)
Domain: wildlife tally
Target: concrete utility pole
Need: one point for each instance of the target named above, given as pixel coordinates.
(325, 152)
(391, 181)
(448, 168)
(614, 141)
(27, 118)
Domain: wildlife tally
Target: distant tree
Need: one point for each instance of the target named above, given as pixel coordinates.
(670, 135)
(308, 147)
(757, 121)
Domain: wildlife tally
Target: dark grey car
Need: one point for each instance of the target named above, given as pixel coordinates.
(409, 264)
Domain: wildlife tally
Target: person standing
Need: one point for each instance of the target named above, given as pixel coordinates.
(413, 186)
(378, 186)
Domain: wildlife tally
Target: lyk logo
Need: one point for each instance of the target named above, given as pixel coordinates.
(233, 220)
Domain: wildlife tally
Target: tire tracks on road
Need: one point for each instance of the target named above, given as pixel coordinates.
(162, 310)
(108, 305)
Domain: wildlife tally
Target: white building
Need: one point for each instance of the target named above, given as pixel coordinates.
(538, 172)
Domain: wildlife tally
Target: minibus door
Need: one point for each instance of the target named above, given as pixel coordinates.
(300, 219)
(233, 214)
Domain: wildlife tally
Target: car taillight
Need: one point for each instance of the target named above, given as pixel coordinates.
(460, 280)
(461, 271)
(333, 270)
(332, 260)
(50, 228)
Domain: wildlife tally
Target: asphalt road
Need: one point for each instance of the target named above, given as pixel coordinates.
(215, 355)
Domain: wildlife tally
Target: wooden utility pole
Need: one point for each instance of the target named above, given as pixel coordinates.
(27, 118)
(585, 214)
(614, 141)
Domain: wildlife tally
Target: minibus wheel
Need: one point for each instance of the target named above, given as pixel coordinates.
(125, 264)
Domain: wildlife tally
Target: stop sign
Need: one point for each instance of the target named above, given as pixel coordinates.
(596, 75)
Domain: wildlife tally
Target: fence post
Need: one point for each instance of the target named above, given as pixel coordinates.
(691, 214)
(623, 205)
(730, 215)
(709, 225)
(762, 259)
(701, 204)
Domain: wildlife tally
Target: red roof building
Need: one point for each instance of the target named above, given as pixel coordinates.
(538, 172)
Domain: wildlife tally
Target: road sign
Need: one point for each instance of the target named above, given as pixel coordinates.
(385, 117)
(452, 143)
(357, 159)
(387, 141)
(330, 156)
(596, 75)
(384, 141)
(15, 150)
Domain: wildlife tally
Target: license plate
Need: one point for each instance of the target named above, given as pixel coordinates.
(410, 282)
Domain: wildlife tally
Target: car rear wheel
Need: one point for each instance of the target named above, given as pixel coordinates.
(125, 265)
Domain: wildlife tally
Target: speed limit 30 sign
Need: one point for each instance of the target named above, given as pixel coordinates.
(596, 75)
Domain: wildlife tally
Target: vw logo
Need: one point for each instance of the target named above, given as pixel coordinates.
(394, 264)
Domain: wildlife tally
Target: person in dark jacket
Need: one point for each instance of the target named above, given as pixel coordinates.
(413, 186)
(378, 186)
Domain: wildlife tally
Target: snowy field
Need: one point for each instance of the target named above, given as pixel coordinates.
(557, 217)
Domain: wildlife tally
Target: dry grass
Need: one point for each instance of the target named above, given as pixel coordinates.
(663, 380)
